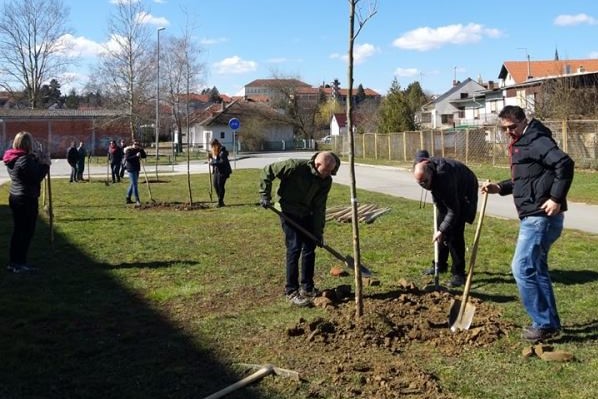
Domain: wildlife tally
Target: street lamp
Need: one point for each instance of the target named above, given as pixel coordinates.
(157, 125)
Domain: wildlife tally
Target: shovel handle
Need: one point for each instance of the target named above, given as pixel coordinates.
(349, 261)
(474, 252)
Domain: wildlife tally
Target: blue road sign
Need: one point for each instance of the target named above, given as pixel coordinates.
(234, 123)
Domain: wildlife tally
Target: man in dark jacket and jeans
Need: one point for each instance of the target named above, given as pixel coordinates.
(455, 193)
(541, 175)
(303, 191)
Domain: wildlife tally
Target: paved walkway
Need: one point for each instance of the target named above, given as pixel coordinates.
(383, 179)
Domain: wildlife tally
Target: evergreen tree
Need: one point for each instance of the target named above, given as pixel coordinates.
(71, 101)
(395, 114)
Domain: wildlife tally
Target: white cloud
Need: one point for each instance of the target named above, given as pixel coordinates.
(361, 52)
(73, 47)
(406, 72)
(234, 65)
(210, 41)
(149, 19)
(571, 20)
(593, 54)
(424, 39)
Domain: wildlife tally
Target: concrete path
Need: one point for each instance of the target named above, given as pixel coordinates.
(383, 179)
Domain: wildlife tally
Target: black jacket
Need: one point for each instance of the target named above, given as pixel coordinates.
(132, 160)
(455, 192)
(26, 174)
(72, 156)
(539, 171)
(221, 164)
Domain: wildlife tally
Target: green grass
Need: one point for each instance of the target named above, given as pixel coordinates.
(159, 302)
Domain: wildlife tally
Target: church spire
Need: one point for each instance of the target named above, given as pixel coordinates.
(556, 54)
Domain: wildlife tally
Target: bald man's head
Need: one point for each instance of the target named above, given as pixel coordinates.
(423, 174)
(325, 163)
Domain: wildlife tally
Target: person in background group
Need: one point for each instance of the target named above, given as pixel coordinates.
(115, 157)
(454, 190)
(133, 156)
(122, 144)
(303, 192)
(218, 159)
(27, 168)
(72, 157)
(541, 175)
(81, 155)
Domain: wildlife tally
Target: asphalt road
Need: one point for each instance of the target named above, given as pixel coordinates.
(383, 179)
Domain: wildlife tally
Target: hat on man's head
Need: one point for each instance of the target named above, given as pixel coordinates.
(421, 155)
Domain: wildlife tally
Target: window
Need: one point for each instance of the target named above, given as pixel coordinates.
(221, 135)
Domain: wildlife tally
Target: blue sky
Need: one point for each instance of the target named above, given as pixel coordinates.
(431, 42)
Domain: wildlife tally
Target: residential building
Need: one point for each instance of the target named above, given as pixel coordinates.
(257, 119)
(449, 109)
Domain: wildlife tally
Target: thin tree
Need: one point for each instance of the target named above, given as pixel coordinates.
(183, 71)
(361, 20)
(127, 68)
(31, 46)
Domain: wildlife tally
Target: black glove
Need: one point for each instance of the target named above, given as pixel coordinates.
(265, 202)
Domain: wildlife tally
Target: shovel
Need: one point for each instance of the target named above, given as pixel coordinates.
(348, 260)
(461, 313)
(436, 271)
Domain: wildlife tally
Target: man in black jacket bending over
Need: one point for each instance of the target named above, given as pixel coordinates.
(454, 190)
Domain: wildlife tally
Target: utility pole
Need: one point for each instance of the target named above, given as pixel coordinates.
(157, 125)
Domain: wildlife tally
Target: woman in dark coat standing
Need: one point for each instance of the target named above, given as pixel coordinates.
(27, 168)
(218, 158)
(133, 156)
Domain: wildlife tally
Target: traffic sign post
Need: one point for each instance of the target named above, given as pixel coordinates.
(234, 124)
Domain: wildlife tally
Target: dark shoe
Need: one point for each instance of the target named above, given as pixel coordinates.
(220, 205)
(456, 281)
(533, 334)
(309, 293)
(298, 300)
(430, 271)
(129, 201)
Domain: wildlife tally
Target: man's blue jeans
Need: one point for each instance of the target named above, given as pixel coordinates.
(133, 189)
(298, 245)
(530, 268)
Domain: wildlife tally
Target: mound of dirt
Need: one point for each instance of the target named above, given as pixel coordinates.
(371, 357)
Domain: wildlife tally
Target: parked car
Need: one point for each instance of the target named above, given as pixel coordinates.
(326, 139)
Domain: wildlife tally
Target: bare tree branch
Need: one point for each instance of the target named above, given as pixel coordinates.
(31, 46)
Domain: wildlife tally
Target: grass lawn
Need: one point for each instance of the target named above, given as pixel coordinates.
(161, 302)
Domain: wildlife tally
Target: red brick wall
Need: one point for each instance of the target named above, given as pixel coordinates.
(58, 134)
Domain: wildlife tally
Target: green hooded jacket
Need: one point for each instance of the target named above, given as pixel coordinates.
(302, 191)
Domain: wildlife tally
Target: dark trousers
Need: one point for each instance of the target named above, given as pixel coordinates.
(298, 245)
(74, 176)
(219, 181)
(454, 244)
(80, 169)
(24, 216)
(115, 167)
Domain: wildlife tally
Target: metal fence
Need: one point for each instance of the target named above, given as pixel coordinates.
(486, 144)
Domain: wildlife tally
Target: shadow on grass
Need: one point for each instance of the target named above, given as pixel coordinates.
(579, 332)
(72, 331)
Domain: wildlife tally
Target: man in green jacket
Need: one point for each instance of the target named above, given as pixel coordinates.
(303, 191)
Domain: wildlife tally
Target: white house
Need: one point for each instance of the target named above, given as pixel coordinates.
(273, 126)
(448, 109)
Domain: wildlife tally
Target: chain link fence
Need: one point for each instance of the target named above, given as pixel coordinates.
(484, 144)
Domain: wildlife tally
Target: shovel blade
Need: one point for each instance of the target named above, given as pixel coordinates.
(350, 262)
(460, 322)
